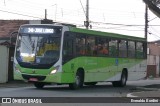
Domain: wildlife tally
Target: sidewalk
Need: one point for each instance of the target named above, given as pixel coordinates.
(147, 91)
(146, 94)
(14, 84)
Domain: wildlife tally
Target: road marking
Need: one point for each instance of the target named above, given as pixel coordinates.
(131, 95)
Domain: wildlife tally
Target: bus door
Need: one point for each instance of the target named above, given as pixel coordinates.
(68, 52)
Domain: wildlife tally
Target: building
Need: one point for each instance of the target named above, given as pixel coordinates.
(153, 59)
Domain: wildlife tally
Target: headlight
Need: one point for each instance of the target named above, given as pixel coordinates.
(54, 70)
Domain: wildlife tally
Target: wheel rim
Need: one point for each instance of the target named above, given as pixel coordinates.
(123, 80)
(77, 80)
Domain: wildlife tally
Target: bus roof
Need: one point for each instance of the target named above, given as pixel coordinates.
(92, 32)
(107, 34)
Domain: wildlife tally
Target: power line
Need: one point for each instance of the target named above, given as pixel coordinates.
(20, 14)
(153, 34)
(119, 24)
(152, 19)
(126, 14)
(150, 32)
(82, 7)
(125, 26)
(20, 11)
(116, 28)
(29, 4)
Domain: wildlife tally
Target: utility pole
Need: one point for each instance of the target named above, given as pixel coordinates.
(87, 14)
(45, 13)
(146, 22)
(4, 2)
(55, 12)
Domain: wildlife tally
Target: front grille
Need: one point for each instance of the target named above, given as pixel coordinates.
(27, 77)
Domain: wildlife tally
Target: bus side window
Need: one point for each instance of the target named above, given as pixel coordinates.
(102, 47)
(113, 48)
(122, 48)
(80, 45)
(139, 50)
(131, 49)
(90, 45)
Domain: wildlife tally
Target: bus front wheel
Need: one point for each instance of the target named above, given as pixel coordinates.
(78, 81)
(39, 85)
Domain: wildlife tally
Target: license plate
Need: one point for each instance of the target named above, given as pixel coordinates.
(33, 79)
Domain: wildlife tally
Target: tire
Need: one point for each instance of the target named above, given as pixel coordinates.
(122, 82)
(90, 83)
(39, 85)
(78, 81)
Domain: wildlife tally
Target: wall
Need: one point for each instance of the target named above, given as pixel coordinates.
(3, 64)
(9, 26)
(153, 60)
(154, 49)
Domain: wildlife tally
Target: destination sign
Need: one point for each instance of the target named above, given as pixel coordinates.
(38, 30)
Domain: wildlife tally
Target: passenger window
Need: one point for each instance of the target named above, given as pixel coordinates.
(113, 50)
(122, 48)
(131, 49)
(90, 46)
(102, 46)
(139, 50)
(80, 45)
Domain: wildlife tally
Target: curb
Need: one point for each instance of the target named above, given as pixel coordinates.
(14, 84)
(147, 89)
(143, 89)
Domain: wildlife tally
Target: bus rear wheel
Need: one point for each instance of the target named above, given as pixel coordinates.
(78, 81)
(122, 82)
(39, 85)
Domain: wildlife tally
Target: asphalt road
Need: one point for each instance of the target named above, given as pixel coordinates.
(100, 90)
(63, 91)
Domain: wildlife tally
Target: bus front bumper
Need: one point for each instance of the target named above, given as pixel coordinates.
(51, 78)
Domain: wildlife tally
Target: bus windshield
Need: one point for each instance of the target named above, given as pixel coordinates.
(37, 50)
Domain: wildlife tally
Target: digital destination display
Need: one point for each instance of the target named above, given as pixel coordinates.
(38, 30)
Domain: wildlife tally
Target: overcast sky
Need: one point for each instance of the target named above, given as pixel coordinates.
(103, 14)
